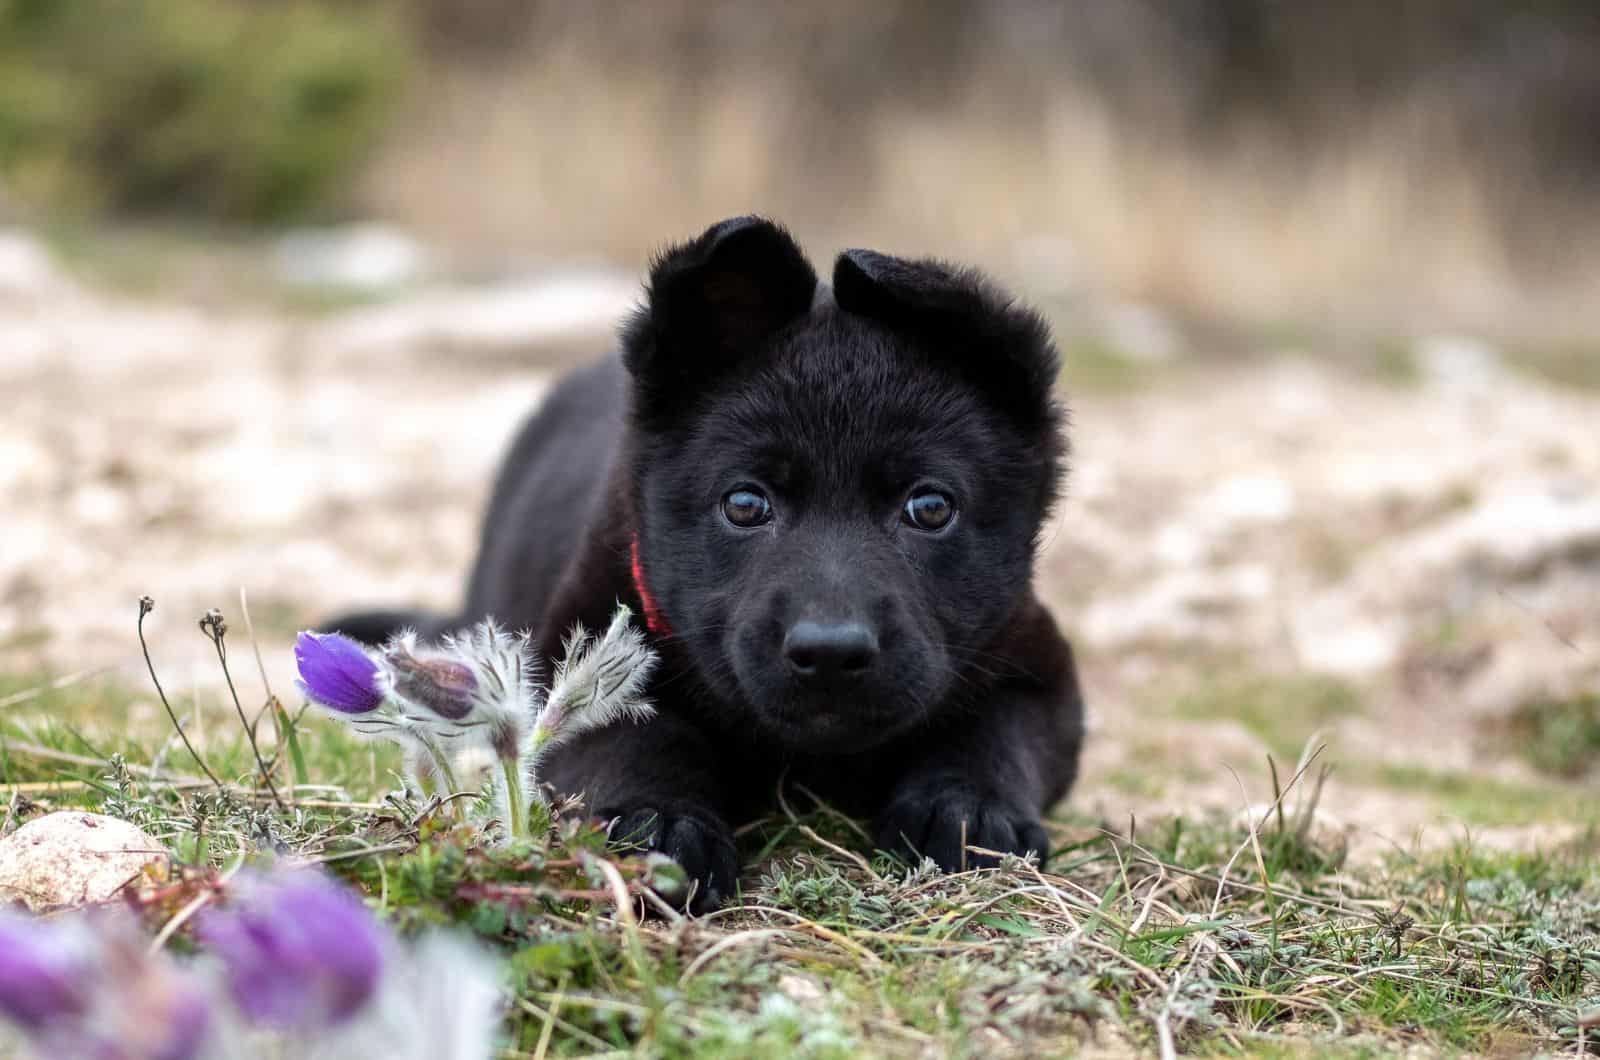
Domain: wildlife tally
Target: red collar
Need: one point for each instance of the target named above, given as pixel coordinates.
(654, 620)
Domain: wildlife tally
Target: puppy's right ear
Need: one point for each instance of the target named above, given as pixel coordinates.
(712, 302)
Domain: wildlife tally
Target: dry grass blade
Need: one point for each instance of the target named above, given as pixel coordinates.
(619, 893)
(832, 947)
(1255, 834)
(723, 945)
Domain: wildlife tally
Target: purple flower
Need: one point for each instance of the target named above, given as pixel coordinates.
(161, 1013)
(300, 950)
(337, 673)
(187, 1021)
(86, 985)
(41, 975)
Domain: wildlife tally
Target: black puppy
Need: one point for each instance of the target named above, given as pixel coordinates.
(826, 505)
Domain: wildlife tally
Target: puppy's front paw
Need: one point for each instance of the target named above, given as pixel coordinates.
(695, 838)
(938, 816)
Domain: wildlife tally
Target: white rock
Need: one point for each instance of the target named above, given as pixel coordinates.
(1191, 604)
(1236, 503)
(1251, 499)
(96, 504)
(1141, 332)
(801, 989)
(363, 257)
(73, 858)
(23, 463)
(26, 269)
(1457, 362)
(1181, 544)
(1510, 535)
(492, 319)
(1354, 648)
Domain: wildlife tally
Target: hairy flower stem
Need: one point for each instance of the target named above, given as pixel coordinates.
(441, 762)
(515, 800)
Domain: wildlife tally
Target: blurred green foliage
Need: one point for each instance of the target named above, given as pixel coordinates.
(1560, 736)
(225, 110)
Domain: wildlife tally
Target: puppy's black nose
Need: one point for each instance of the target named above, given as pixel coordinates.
(829, 649)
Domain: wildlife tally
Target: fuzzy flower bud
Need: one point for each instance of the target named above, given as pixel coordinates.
(442, 685)
(337, 673)
(476, 693)
(599, 681)
(504, 692)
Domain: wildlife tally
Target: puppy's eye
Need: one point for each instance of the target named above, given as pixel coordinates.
(929, 510)
(746, 507)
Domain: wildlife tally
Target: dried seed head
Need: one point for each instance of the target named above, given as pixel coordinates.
(213, 625)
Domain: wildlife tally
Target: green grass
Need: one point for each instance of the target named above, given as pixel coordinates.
(1560, 736)
(61, 703)
(1142, 783)
(833, 950)
(1092, 365)
(1284, 710)
(1486, 801)
(1395, 362)
(1573, 364)
(240, 113)
(208, 262)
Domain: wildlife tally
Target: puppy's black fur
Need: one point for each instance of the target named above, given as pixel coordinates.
(757, 446)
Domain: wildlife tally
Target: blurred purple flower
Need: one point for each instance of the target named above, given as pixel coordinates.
(187, 1020)
(301, 951)
(85, 985)
(41, 974)
(161, 1012)
(337, 673)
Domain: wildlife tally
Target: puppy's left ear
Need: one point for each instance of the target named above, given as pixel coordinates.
(714, 301)
(972, 327)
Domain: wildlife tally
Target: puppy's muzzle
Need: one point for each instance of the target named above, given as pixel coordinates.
(830, 651)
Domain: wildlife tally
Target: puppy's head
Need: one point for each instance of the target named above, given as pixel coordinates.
(839, 493)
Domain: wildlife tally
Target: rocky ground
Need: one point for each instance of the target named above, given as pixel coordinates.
(1257, 554)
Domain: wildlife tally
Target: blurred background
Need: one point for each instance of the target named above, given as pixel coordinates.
(278, 278)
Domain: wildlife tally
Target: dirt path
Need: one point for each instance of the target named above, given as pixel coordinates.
(1248, 554)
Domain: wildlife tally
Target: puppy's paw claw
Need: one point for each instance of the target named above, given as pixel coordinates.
(941, 817)
(695, 839)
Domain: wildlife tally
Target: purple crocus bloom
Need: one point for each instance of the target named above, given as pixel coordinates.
(41, 977)
(337, 673)
(301, 951)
